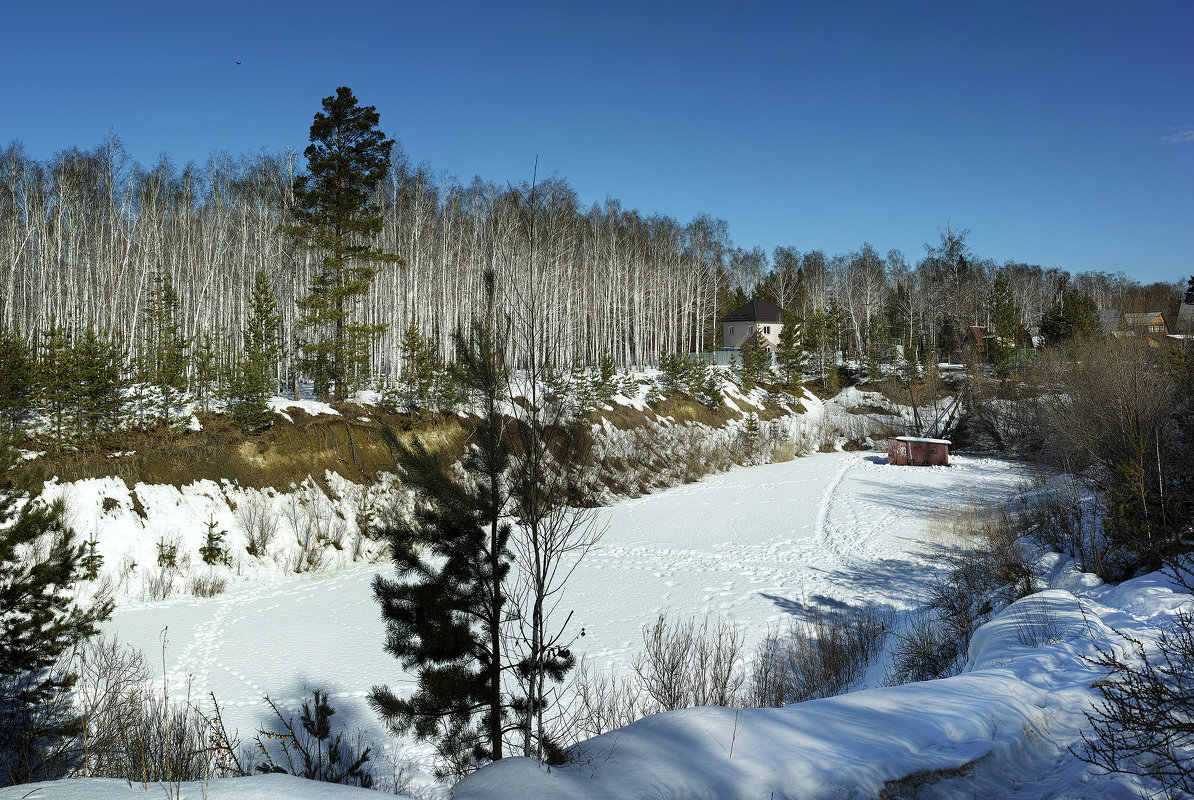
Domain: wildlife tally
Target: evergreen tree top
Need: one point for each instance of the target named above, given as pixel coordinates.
(346, 159)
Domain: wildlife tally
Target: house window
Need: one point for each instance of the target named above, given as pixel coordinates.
(766, 329)
(731, 330)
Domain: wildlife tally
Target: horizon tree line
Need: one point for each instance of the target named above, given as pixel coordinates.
(84, 235)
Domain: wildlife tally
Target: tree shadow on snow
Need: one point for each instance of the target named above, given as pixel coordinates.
(898, 580)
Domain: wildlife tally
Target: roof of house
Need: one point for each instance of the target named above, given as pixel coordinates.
(1142, 319)
(1185, 312)
(756, 311)
(1109, 320)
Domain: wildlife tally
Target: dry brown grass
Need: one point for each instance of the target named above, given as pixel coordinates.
(286, 453)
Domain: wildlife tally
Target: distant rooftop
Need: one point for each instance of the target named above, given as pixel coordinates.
(756, 311)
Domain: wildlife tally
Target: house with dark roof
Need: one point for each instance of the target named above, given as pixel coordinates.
(757, 316)
(1185, 317)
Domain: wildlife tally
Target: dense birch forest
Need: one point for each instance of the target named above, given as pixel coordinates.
(82, 235)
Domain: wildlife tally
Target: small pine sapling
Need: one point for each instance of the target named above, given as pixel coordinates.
(312, 752)
(92, 559)
(167, 554)
(603, 382)
(213, 551)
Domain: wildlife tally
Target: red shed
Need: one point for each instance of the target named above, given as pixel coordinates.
(917, 452)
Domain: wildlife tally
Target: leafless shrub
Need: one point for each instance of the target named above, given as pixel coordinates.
(159, 584)
(603, 701)
(684, 665)
(1067, 519)
(1144, 723)
(207, 585)
(985, 566)
(822, 657)
(112, 681)
(306, 511)
(925, 649)
(257, 519)
(135, 732)
(1036, 624)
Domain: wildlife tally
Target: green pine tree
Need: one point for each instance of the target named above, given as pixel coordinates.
(254, 374)
(791, 355)
(55, 381)
(165, 357)
(16, 379)
(95, 391)
(756, 362)
(420, 367)
(1073, 317)
(207, 354)
(41, 619)
(444, 611)
(335, 216)
(1005, 317)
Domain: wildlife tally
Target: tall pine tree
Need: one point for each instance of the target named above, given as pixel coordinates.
(336, 217)
(444, 610)
(1005, 316)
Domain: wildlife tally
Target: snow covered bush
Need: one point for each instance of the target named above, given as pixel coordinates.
(1144, 724)
(821, 657)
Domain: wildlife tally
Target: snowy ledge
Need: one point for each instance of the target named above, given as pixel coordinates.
(1009, 717)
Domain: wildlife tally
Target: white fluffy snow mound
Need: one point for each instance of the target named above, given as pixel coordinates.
(1001, 727)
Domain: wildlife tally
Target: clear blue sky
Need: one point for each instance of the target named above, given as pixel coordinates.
(1060, 133)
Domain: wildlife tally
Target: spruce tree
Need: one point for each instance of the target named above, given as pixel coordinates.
(1005, 315)
(16, 379)
(254, 378)
(165, 358)
(95, 384)
(55, 381)
(444, 610)
(336, 217)
(40, 564)
(790, 355)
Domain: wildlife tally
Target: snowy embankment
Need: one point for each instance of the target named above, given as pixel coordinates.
(1001, 727)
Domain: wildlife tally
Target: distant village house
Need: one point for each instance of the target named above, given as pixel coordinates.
(1120, 324)
(761, 316)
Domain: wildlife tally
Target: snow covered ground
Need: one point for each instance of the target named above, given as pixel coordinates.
(759, 545)
(756, 544)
